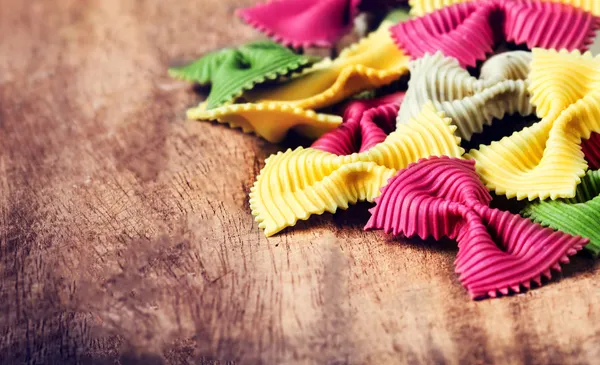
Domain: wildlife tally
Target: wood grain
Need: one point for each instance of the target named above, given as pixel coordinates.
(126, 237)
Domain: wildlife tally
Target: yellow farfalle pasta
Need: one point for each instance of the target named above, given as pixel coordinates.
(298, 183)
(422, 7)
(271, 121)
(470, 102)
(372, 62)
(545, 160)
(593, 6)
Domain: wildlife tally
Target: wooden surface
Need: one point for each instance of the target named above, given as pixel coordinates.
(126, 237)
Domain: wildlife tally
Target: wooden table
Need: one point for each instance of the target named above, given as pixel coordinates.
(126, 236)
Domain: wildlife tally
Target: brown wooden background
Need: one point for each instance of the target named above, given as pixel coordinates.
(126, 237)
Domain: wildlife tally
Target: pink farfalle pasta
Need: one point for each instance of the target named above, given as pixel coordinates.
(303, 23)
(497, 251)
(366, 123)
(306, 23)
(468, 31)
(591, 149)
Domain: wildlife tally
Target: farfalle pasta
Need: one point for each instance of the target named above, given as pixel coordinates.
(271, 121)
(298, 183)
(366, 124)
(545, 160)
(422, 7)
(591, 150)
(402, 151)
(497, 251)
(471, 103)
(231, 71)
(468, 31)
(305, 23)
(578, 216)
(373, 62)
(512, 65)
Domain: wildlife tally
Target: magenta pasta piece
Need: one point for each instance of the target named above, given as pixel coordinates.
(591, 149)
(468, 31)
(497, 251)
(303, 23)
(461, 31)
(366, 123)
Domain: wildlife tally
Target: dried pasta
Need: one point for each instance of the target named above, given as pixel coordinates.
(468, 31)
(545, 160)
(372, 62)
(422, 7)
(231, 71)
(303, 23)
(497, 251)
(269, 120)
(577, 216)
(366, 124)
(297, 183)
(470, 102)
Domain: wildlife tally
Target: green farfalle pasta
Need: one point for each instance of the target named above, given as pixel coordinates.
(231, 71)
(577, 216)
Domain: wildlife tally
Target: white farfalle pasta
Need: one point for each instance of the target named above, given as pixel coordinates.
(471, 103)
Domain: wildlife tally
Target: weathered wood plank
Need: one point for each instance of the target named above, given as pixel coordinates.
(125, 233)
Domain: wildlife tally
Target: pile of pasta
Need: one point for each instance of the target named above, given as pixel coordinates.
(472, 67)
